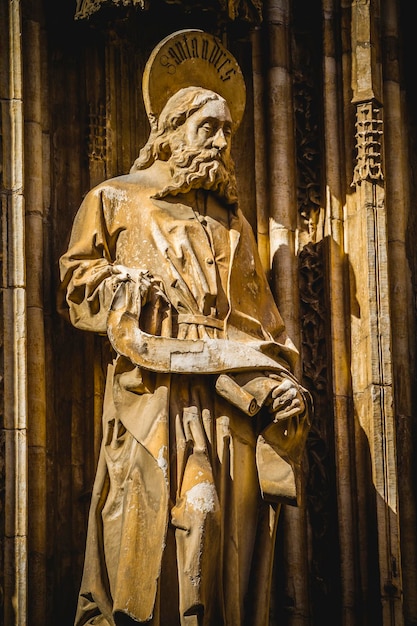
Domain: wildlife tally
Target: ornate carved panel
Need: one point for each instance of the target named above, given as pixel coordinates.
(250, 10)
(85, 8)
(368, 143)
(308, 154)
(306, 96)
(320, 485)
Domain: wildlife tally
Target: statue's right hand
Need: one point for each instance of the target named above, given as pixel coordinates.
(139, 284)
(126, 274)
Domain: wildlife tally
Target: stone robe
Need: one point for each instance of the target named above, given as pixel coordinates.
(182, 523)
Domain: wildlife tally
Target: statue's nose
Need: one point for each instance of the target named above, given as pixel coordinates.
(219, 140)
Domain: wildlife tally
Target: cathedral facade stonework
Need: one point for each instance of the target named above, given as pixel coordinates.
(325, 170)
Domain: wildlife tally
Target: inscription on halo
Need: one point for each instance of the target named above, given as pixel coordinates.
(199, 48)
(192, 58)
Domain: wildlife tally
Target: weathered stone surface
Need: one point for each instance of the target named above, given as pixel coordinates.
(71, 106)
(204, 423)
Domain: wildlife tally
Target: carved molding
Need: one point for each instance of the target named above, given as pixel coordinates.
(308, 154)
(307, 127)
(86, 8)
(320, 487)
(248, 10)
(368, 143)
(313, 316)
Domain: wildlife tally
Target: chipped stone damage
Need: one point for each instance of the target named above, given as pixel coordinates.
(202, 497)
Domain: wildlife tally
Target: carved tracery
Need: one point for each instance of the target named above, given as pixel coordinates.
(308, 154)
(248, 10)
(368, 143)
(320, 489)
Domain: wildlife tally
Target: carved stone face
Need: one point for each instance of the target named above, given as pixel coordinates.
(209, 127)
(200, 153)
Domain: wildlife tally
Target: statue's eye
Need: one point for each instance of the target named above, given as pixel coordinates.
(207, 127)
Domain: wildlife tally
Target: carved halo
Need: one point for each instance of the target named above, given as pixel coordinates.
(188, 58)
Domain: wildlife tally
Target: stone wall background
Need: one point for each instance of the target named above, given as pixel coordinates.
(332, 205)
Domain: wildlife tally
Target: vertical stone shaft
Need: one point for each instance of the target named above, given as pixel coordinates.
(334, 232)
(396, 164)
(284, 278)
(13, 288)
(262, 198)
(372, 330)
(360, 476)
(35, 316)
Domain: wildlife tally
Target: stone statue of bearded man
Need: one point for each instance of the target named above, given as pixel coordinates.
(203, 422)
(182, 142)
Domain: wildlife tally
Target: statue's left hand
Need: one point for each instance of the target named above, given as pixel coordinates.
(286, 400)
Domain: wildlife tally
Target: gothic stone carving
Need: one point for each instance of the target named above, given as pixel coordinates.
(250, 10)
(204, 423)
(368, 143)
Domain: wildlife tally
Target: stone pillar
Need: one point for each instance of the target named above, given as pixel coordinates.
(372, 348)
(261, 176)
(284, 263)
(34, 256)
(398, 202)
(13, 288)
(337, 289)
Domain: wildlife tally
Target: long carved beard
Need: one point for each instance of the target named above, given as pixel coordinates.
(202, 169)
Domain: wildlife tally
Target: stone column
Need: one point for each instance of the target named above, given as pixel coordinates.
(13, 288)
(261, 175)
(398, 201)
(284, 263)
(34, 255)
(372, 348)
(338, 315)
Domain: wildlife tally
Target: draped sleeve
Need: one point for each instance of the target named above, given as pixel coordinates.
(86, 269)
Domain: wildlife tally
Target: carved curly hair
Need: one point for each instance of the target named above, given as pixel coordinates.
(176, 111)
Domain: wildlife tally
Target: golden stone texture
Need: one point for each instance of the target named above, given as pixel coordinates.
(326, 171)
(204, 425)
